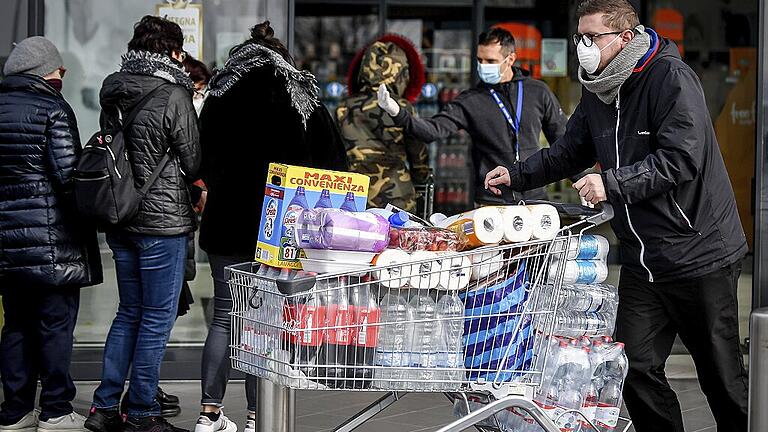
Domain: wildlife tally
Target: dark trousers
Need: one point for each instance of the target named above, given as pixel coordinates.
(36, 345)
(703, 311)
(216, 362)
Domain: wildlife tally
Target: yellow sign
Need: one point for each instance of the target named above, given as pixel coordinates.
(190, 18)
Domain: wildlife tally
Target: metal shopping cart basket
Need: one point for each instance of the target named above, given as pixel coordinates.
(425, 197)
(350, 331)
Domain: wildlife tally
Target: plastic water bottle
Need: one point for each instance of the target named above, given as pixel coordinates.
(394, 343)
(450, 314)
(589, 298)
(589, 407)
(423, 345)
(588, 247)
(579, 272)
(608, 406)
(578, 324)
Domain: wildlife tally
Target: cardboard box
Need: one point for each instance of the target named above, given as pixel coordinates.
(291, 188)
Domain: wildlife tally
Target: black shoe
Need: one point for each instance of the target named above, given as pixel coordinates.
(104, 420)
(168, 411)
(150, 424)
(165, 398)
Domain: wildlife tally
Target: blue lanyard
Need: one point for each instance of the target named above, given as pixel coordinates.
(513, 123)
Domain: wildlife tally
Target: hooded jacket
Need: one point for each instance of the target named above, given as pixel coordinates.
(493, 142)
(676, 215)
(42, 240)
(375, 146)
(168, 122)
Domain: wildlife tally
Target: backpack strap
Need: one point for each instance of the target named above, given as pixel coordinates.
(141, 104)
(155, 173)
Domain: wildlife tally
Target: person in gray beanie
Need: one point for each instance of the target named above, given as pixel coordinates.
(46, 254)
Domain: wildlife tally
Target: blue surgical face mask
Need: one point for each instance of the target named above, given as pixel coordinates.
(490, 73)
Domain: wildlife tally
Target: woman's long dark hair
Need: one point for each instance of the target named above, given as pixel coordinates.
(264, 35)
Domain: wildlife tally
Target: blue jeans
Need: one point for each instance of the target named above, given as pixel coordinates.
(150, 272)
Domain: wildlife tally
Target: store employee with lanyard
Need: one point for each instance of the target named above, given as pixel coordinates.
(502, 132)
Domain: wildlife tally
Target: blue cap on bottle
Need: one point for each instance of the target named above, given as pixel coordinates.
(399, 219)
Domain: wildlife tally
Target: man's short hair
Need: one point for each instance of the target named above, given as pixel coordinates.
(500, 36)
(617, 14)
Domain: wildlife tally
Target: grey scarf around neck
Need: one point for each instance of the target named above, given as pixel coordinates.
(606, 85)
(152, 64)
(301, 85)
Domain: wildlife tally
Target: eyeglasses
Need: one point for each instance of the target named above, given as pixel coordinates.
(588, 39)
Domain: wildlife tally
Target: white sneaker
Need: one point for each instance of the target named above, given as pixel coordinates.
(72, 422)
(223, 424)
(250, 425)
(28, 423)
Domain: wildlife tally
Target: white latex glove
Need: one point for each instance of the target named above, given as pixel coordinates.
(389, 105)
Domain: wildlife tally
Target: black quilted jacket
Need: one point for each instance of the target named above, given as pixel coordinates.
(167, 121)
(42, 242)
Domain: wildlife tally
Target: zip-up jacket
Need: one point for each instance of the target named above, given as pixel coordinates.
(493, 142)
(676, 215)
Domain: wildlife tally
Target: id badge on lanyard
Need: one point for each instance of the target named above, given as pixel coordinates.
(513, 123)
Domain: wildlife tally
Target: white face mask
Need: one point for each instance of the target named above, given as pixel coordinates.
(589, 56)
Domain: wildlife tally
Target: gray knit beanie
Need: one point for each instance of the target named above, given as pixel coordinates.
(35, 56)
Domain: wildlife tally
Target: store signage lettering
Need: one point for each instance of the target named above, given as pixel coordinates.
(743, 117)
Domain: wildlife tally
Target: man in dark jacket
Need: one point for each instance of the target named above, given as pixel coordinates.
(46, 255)
(504, 115)
(643, 116)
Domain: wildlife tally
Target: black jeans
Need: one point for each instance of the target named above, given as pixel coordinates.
(703, 311)
(216, 362)
(36, 345)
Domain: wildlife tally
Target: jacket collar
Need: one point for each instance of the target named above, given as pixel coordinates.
(26, 82)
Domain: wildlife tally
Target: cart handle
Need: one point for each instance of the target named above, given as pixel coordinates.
(597, 215)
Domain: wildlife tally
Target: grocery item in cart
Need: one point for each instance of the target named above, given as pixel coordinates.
(577, 324)
(588, 247)
(609, 370)
(518, 223)
(479, 227)
(340, 316)
(309, 318)
(498, 338)
(341, 230)
(563, 386)
(424, 328)
(587, 298)
(486, 265)
(455, 273)
(426, 238)
(579, 271)
(393, 352)
(399, 272)
(365, 334)
(425, 272)
(277, 246)
(546, 221)
(450, 315)
(397, 219)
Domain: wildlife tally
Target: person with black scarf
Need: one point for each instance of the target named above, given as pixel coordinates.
(260, 109)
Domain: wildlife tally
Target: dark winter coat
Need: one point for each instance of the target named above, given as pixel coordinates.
(42, 240)
(676, 215)
(244, 130)
(493, 142)
(166, 122)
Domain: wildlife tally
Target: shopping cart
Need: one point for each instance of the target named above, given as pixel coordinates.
(296, 333)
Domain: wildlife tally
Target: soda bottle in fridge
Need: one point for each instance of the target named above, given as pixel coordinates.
(365, 332)
(325, 200)
(338, 337)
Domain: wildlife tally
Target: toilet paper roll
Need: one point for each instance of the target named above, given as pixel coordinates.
(518, 223)
(486, 264)
(546, 221)
(400, 272)
(479, 227)
(425, 275)
(456, 273)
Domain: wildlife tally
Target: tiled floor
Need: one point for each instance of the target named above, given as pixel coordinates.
(323, 411)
